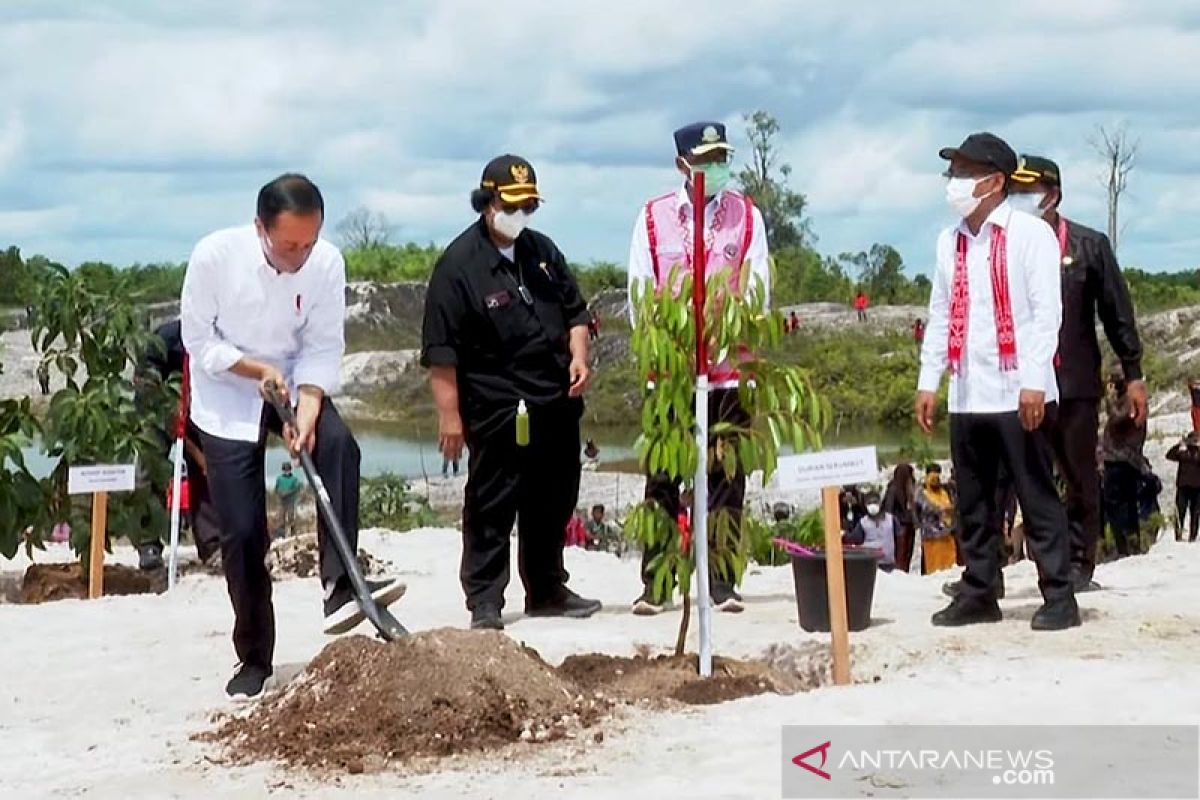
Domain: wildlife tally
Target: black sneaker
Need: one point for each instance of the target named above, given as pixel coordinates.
(342, 611)
(567, 604)
(247, 682)
(648, 606)
(1057, 615)
(725, 598)
(150, 557)
(486, 617)
(954, 588)
(963, 611)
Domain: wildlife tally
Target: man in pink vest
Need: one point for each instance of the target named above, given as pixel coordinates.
(735, 239)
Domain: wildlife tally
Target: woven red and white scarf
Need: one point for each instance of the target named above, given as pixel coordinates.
(960, 303)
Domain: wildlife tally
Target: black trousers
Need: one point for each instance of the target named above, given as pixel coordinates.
(1074, 434)
(979, 443)
(723, 492)
(202, 514)
(537, 485)
(1121, 484)
(237, 481)
(1187, 504)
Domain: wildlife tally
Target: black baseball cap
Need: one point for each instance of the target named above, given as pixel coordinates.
(984, 148)
(700, 138)
(1037, 169)
(511, 177)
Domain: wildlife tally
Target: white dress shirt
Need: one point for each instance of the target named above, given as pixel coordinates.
(641, 263)
(1035, 288)
(236, 305)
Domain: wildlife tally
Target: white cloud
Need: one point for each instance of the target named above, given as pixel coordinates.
(133, 127)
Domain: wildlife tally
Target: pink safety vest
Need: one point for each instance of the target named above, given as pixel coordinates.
(727, 240)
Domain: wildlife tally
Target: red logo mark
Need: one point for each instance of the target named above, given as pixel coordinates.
(823, 749)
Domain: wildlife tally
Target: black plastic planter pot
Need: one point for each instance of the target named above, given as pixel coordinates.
(812, 589)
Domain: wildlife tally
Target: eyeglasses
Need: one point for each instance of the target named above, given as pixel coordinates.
(528, 207)
(968, 172)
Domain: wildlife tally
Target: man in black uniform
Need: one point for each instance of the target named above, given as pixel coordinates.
(505, 338)
(1092, 285)
(164, 362)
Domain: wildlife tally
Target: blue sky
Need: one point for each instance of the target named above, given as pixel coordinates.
(130, 129)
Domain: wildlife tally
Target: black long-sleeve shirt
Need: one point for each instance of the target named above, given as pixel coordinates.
(504, 325)
(1093, 286)
(1188, 459)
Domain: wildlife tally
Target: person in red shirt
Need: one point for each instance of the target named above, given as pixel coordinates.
(1194, 395)
(860, 305)
(919, 331)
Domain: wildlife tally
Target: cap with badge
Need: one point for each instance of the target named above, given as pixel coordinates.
(984, 148)
(1037, 169)
(700, 138)
(511, 177)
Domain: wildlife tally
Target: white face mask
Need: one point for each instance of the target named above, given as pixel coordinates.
(510, 223)
(960, 195)
(1030, 203)
(873, 509)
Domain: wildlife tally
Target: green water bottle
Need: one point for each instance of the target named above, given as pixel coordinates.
(522, 424)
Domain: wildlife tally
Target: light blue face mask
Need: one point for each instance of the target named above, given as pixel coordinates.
(716, 176)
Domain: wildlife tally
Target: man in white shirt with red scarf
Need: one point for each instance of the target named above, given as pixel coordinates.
(735, 238)
(994, 315)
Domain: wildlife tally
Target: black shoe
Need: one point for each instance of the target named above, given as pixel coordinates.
(567, 604)
(963, 611)
(150, 557)
(486, 617)
(1057, 615)
(247, 682)
(954, 588)
(725, 598)
(342, 611)
(1081, 583)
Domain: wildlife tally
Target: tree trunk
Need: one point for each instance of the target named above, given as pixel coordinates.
(1113, 199)
(683, 625)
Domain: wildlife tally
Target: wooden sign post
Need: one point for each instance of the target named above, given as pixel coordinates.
(98, 480)
(827, 470)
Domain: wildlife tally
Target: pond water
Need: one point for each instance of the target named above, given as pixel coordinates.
(400, 449)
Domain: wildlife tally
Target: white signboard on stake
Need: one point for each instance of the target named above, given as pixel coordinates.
(101, 478)
(827, 468)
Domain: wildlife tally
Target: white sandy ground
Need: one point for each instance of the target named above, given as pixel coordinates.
(99, 698)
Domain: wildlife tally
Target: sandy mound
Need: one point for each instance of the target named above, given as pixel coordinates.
(46, 582)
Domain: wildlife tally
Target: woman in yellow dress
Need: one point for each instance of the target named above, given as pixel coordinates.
(934, 549)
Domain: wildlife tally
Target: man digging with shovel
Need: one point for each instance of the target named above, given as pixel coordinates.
(263, 313)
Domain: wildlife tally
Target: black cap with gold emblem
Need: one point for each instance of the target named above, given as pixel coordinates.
(512, 178)
(700, 138)
(1037, 169)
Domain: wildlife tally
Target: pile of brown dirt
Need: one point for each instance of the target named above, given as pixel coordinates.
(46, 582)
(663, 679)
(362, 703)
(299, 556)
